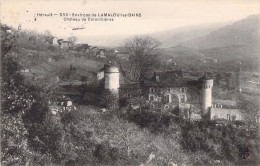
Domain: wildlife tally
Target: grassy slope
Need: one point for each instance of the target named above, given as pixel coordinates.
(107, 127)
(37, 62)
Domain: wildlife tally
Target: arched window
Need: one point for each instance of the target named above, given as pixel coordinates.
(167, 99)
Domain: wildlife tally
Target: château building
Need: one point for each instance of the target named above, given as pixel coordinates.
(172, 90)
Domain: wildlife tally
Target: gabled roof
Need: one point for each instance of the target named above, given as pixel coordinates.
(173, 78)
(205, 77)
(133, 86)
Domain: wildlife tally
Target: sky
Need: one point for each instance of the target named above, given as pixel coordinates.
(155, 15)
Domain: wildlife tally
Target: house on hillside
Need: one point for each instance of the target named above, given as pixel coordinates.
(65, 44)
(93, 51)
(7, 29)
(59, 41)
(49, 40)
(55, 41)
(101, 53)
(82, 47)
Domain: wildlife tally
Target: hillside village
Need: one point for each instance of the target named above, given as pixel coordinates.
(165, 90)
(87, 90)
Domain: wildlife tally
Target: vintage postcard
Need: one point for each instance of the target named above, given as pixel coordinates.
(130, 83)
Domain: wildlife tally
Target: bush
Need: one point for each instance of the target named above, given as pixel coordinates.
(223, 143)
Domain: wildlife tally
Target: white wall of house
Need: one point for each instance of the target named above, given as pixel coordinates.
(227, 114)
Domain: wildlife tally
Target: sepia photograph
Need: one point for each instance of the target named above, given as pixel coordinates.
(130, 83)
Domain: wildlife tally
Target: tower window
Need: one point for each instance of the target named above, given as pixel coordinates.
(167, 98)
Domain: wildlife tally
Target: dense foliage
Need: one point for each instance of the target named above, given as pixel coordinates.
(23, 109)
(208, 143)
(223, 143)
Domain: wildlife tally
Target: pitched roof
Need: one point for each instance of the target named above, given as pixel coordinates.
(134, 85)
(205, 77)
(173, 78)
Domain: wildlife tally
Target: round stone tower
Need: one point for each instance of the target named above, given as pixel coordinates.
(111, 74)
(206, 85)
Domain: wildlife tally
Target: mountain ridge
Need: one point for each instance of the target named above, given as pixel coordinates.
(242, 32)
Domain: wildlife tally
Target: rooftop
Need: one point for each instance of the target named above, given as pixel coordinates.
(133, 85)
(205, 77)
(172, 78)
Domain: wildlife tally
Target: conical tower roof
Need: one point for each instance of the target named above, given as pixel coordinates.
(108, 68)
(205, 77)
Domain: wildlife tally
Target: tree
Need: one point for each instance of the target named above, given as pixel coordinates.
(108, 99)
(15, 101)
(249, 107)
(23, 112)
(193, 99)
(129, 137)
(142, 57)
